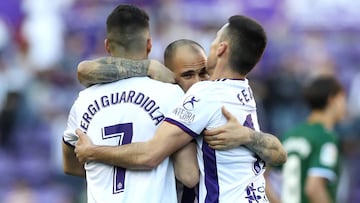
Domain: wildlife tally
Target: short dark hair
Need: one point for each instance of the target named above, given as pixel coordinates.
(247, 41)
(319, 90)
(125, 27)
(173, 46)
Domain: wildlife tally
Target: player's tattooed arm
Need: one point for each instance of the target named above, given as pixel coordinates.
(110, 69)
(268, 147)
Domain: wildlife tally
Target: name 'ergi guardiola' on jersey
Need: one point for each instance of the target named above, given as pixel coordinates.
(234, 175)
(119, 113)
(114, 98)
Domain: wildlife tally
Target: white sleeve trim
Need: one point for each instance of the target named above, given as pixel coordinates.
(323, 172)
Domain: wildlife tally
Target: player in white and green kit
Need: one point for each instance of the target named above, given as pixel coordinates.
(312, 150)
(311, 172)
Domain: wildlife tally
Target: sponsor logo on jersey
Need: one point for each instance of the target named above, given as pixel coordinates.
(256, 194)
(328, 154)
(189, 102)
(258, 165)
(184, 115)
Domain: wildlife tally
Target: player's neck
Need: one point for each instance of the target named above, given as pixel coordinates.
(225, 72)
(323, 118)
(124, 54)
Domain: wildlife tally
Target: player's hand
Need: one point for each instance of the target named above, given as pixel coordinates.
(82, 147)
(158, 71)
(228, 136)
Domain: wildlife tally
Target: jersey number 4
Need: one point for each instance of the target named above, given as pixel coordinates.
(125, 132)
(258, 164)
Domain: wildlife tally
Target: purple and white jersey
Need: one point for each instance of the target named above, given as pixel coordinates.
(119, 113)
(234, 175)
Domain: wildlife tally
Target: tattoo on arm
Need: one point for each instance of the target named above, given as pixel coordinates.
(267, 147)
(109, 69)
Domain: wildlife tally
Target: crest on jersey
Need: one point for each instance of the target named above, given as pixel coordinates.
(258, 165)
(328, 154)
(189, 102)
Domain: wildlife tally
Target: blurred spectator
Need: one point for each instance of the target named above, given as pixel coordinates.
(354, 96)
(43, 28)
(8, 116)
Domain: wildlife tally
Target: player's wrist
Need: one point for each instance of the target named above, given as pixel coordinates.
(251, 136)
(91, 153)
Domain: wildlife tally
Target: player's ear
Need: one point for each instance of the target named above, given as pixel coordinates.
(148, 45)
(221, 49)
(107, 45)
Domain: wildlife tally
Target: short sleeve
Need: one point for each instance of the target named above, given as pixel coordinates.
(194, 111)
(70, 136)
(324, 159)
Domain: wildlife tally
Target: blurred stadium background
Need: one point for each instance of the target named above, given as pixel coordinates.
(41, 43)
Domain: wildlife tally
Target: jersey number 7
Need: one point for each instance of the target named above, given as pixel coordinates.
(125, 132)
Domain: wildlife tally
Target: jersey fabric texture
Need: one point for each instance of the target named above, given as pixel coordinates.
(234, 175)
(312, 151)
(119, 113)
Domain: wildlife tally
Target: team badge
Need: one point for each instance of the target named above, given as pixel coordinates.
(189, 102)
(328, 154)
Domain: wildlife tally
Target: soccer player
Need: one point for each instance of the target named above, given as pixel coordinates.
(187, 60)
(127, 111)
(234, 175)
(312, 170)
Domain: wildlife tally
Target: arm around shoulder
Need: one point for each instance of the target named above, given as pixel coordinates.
(233, 134)
(110, 69)
(139, 155)
(268, 147)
